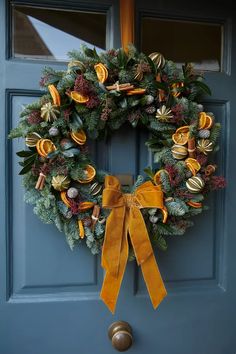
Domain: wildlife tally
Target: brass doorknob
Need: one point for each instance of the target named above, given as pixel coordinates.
(120, 334)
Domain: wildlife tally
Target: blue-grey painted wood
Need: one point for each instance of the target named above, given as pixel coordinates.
(49, 297)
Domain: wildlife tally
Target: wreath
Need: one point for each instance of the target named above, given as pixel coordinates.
(95, 96)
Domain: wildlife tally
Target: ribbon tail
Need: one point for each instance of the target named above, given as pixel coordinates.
(146, 258)
(112, 283)
(153, 280)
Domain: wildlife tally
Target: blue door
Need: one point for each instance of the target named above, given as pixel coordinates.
(49, 296)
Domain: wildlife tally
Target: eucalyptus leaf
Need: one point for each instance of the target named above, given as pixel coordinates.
(53, 154)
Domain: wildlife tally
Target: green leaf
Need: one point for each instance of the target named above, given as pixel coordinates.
(28, 160)
(89, 53)
(202, 86)
(149, 172)
(161, 243)
(25, 153)
(27, 168)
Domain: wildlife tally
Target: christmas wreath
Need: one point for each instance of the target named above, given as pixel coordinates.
(95, 96)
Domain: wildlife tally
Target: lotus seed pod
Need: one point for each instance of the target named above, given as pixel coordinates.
(53, 131)
(72, 192)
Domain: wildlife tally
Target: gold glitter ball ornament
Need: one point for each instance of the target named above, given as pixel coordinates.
(179, 152)
(164, 114)
(158, 59)
(195, 184)
(204, 146)
(60, 182)
(49, 112)
(32, 139)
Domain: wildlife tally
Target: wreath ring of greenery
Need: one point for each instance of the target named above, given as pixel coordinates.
(95, 96)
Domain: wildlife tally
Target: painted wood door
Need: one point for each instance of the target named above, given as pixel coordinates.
(49, 296)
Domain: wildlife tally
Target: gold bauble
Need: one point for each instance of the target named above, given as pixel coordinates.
(179, 152)
(204, 146)
(32, 139)
(49, 112)
(195, 184)
(158, 59)
(60, 182)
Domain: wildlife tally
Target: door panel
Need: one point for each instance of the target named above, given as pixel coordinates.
(49, 296)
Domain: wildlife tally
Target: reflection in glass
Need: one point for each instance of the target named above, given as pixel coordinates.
(184, 41)
(51, 34)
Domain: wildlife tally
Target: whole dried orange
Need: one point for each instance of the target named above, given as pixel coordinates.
(102, 72)
(77, 97)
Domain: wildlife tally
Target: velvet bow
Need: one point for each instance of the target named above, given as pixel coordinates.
(126, 218)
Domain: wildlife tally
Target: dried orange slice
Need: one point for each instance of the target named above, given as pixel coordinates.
(205, 121)
(209, 122)
(136, 91)
(180, 138)
(157, 176)
(194, 204)
(193, 165)
(183, 129)
(55, 95)
(44, 147)
(165, 214)
(81, 229)
(85, 206)
(175, 87)
(102, 72)
(65, 199)
(201, 120)
(90, 173)
(79, 137)
(77, 97)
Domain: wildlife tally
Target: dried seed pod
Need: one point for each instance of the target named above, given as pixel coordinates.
(60, 182)
(210, 169)
(72, 192)
(49, 112)
(204, 146)
(164, 114)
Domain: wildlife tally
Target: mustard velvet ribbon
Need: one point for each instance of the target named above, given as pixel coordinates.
(126, 218)
(126, 22)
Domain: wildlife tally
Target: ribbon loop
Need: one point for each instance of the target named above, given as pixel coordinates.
(126, 217)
